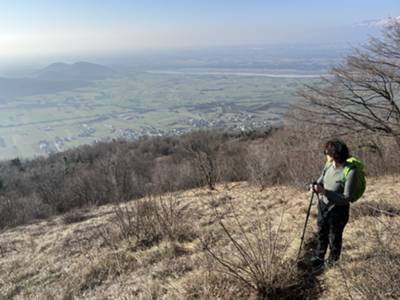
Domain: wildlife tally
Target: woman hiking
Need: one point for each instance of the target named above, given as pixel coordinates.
(335, 195)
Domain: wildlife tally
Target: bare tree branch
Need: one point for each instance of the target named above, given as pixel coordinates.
(362, 93)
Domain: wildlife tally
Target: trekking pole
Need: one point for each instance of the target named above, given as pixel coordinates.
(305, 224)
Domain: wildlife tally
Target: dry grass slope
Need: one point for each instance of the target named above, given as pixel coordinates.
(92, 254)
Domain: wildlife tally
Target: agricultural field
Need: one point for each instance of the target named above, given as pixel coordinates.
(143, 103)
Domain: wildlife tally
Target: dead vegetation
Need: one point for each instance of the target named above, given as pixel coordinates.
(235, 242)
(121, 171)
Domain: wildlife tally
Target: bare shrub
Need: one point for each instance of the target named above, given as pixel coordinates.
(165, 174)
(202, 150)
(138, 223)
(50, 185)
(115, 178)
(305, 161)
(132, 174)
(266, 166)
(172, 175)
(187, 176)
(257, 165)
(147, 221)
(377, 275)
(210, 284)
(173, 219)
(217, 202)
(289, 155)
(94, 276)
(102, 268)
(8, 212)
(87, 187)
(16, 211)
(232, 161)
(74, 216)
(378, 152)
(256, 257)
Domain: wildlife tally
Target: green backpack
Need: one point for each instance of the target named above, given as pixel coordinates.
(354, 163)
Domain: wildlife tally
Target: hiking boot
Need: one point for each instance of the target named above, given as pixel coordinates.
(317, 265)
(330, 263)
(316, 262)
(318, 270)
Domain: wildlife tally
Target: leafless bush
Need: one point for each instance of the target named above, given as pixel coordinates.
(16, 211)
(256, 257)
(232, 161)
(211, 284)
(286, 156)
(266, 167)
(101, 268)
(86, 188)
(379, 154)
(138, 223)
(173, 219)
(147, 221)
(94, 276)
(50, 185)
(171, 175)
(217, 202)
(165, 175)
(377, 275)
(74, 216)
(202, 149)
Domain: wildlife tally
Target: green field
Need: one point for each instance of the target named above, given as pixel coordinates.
(141, 104)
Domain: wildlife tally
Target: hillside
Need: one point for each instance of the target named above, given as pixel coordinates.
(54, 78)
(101, 253)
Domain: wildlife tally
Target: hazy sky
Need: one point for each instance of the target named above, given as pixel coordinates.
(41, 27)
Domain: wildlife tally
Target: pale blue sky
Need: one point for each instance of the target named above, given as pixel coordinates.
(40, 27)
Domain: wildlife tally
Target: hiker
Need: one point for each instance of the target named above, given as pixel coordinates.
(334, 197)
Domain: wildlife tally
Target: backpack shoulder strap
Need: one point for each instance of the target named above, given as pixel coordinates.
(347, 168)
(350, 164)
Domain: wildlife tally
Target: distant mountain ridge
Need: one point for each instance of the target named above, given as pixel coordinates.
(76, 71)
(54, 78)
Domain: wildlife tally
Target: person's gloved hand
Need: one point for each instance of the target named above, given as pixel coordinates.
(318, 188)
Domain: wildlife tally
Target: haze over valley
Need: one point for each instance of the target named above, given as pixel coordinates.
(88, 81)
(64, 105)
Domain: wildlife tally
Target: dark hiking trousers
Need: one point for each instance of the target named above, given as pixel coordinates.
(330, 230)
